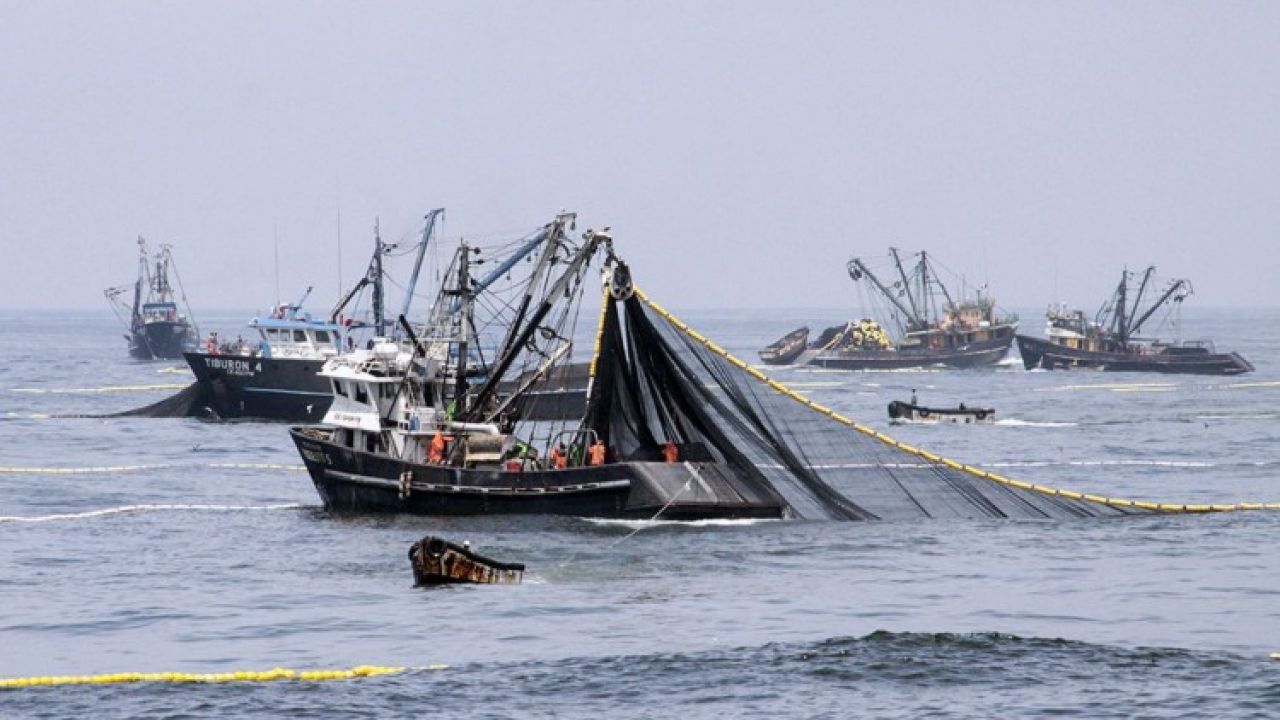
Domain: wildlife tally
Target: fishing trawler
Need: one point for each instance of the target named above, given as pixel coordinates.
(1111, 342)
(416, 430)
(934, 326)
(275, 376)
(157, 327)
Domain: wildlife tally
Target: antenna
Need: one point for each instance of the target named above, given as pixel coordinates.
(339, 243)
(275, 241)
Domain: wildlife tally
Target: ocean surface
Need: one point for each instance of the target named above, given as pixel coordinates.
(178, 545)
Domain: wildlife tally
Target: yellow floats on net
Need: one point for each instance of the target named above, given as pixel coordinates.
(272, 675)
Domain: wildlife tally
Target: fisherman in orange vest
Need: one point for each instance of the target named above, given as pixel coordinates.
(595, 455)
(436, 454)
(559, 457)
(670, 453)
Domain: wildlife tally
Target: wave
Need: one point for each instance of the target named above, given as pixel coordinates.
(126, 509)
(1101, 463)
(117, 469)
(642, 524)
(1015, 422)
(104, 389)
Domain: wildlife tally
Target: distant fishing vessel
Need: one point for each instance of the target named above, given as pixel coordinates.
(158, 329)
(1110, 342)
(935, 326)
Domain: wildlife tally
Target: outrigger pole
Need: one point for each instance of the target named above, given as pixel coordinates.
(857, 269)
(509, 352)
(427, 232)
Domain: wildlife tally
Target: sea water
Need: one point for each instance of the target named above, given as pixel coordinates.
(179, 545)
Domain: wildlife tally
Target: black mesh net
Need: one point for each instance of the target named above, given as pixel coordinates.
(656, 383)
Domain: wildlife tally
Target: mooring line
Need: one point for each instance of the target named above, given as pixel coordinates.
(273, 675)
(938, 459)
(125, 509)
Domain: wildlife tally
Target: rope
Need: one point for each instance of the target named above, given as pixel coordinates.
(272, 675)
(938, 459)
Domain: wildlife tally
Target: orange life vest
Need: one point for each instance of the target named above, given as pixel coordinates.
(559, 460)
(596, 456)
(436, 453)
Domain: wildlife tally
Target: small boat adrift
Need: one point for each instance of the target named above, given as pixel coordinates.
(901, 412)
(786, 350)
(437, 561)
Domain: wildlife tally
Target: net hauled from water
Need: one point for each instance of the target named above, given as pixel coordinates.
(658, 381)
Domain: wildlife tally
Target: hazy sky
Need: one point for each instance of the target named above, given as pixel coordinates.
(741, 151)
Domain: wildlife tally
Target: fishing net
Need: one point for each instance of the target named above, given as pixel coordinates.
(659, 383)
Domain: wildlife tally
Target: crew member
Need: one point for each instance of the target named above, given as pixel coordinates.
(913, 396)
(436, 453)
(559, 457)
(670, 452)
(596, 455)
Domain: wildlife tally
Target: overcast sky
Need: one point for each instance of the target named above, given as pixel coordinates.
(741, 151)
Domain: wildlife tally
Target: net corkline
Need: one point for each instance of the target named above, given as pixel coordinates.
(1122, 505)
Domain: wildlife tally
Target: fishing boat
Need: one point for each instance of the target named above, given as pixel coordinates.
(786, 350)
(935, 327)
(437, 561)
(157, 327)
(1111, 342)
(910, 413)
(275, 376)
(409, 430)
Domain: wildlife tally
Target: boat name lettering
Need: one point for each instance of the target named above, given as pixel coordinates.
(232, 366)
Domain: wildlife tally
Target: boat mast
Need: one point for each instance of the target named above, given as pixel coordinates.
(916, 323)
(1137, 300)
(417, 263)
(1118, 325)
(379, 320)
(137, 285)
(464, 325)
(857, 270)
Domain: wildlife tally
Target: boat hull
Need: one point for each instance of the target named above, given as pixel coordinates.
(978, 354)
(1037, 353)
(787, 350)
(355, 480)
(161, 340)
(282, 389)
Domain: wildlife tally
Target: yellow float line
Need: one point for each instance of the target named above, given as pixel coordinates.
(79, 470)
(937, 459)
(273, 675)
(595, 354)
